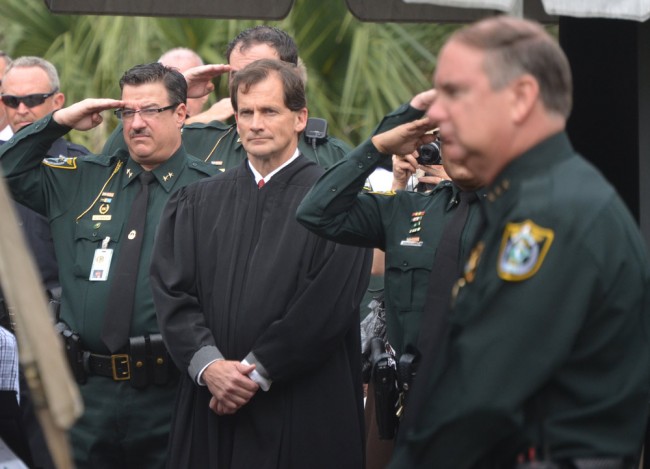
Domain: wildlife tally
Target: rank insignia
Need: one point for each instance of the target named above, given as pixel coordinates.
(472, 261)
(61, 162)
(129, 173)
(523, 248)
(168, 176)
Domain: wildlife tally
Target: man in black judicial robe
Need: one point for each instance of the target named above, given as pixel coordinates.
(260, 313)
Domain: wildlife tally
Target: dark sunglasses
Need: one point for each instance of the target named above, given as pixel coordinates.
(31, 100)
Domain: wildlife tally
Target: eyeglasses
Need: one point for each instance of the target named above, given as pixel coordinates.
(128, 114)
(30, 100)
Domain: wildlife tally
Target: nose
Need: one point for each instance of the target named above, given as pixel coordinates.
(22, 108)
(257, 121)
(436, 111)
(137, 121)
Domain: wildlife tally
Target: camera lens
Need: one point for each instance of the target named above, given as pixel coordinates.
(429, 153)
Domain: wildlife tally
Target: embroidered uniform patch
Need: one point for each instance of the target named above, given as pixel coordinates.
(61, 162)
(523, 248)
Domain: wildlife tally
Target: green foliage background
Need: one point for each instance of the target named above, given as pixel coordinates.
(357, 71)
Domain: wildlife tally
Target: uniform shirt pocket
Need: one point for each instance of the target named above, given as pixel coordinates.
(88, 237)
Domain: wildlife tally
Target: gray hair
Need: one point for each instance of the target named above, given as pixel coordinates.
(47, 67)
(514, 47)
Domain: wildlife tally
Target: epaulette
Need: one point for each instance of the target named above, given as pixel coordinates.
(77, 150)
(210, 125)
(199, 165)
(386, 193)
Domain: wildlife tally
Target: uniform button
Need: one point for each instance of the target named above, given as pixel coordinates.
(12, 140)
(333, 189)
(94, 235)
(360, 165)
(193, 164)
(405, 263)
(139, 364)
(159, 361)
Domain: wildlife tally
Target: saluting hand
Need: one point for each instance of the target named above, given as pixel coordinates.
(85, 114)
(422, 101)
(406, 138)
(199, 78)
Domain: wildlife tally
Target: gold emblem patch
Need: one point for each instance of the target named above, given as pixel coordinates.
(523, 248)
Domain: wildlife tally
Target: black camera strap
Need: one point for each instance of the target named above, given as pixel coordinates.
(444, 273)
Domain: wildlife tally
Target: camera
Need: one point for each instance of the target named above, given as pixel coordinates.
(430, 153)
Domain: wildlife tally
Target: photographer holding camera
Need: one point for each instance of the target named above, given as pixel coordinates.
(425, 235)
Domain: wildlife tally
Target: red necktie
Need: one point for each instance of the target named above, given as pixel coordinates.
(260, 183)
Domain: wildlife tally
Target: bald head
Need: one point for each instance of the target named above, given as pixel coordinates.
(182, 58)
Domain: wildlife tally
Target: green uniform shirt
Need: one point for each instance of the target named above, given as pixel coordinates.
(219, 144)
(548, 339)
(406, 225)
(87, 200)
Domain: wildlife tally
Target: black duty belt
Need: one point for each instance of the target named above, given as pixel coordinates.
(147, 361)
(112, 366)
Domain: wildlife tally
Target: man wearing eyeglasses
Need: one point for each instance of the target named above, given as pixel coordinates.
(100, 212)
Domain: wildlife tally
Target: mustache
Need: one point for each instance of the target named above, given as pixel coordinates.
(139, 132)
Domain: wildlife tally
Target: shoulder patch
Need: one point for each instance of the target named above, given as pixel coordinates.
(523, 248)
(62, 162)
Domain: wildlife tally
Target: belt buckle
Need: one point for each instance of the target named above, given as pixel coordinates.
(118, 362)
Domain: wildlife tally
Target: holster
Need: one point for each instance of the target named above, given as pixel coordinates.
(74, 352)
(407, 367)
(384, 380)
(150, 361)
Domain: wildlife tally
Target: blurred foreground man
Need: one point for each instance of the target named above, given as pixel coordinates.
(259, 313)
(546, 355)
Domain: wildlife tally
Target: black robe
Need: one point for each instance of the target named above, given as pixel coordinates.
(232, 268)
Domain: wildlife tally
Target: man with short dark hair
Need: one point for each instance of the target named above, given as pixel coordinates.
(260, 314)
(103, 211)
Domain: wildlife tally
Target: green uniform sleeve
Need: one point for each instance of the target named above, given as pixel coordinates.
(25, 169)
(336, 208)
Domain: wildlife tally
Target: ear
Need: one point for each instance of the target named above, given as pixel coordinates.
(58, 100)
(301, 120)
(181, 114)
(525, 93)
